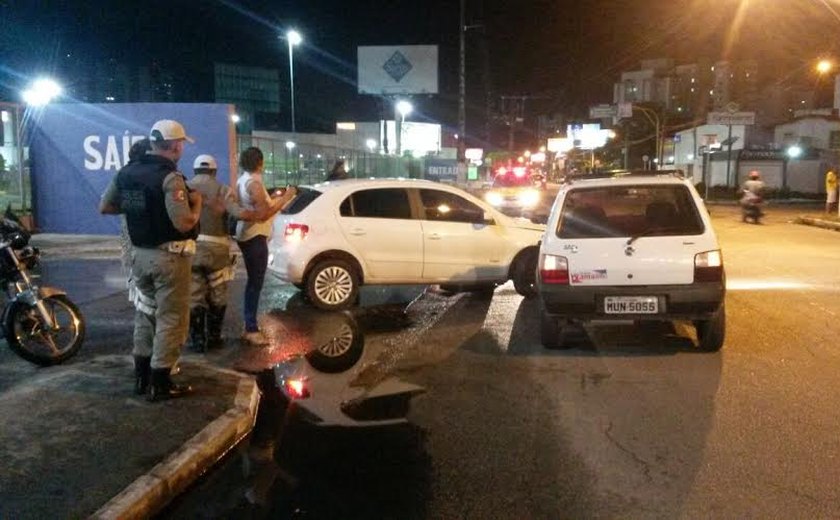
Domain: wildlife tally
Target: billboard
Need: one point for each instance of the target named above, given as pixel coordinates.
(398, 70)
(77, 148)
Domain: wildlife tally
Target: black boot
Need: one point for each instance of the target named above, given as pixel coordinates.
(142, 373)
(198, 338)
(162, 387)
(215, 319)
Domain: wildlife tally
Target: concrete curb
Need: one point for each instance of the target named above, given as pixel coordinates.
(150, 493)
(820, 223)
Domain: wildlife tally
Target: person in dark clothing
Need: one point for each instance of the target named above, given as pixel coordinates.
(338, 172)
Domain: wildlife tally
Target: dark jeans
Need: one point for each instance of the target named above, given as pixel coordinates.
(255, 255)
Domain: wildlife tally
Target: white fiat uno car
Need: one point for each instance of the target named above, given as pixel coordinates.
(338, 235)
(631, 246)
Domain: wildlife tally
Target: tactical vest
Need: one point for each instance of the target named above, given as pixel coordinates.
(142, 199)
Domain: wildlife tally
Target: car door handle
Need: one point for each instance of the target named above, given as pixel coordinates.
(434, 236)
(358, 232)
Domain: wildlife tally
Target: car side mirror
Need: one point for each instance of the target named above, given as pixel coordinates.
(487, 218)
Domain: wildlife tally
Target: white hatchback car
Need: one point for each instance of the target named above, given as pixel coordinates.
(338, 235)
(633, 246)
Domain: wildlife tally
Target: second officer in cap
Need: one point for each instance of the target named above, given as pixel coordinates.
(212, 268)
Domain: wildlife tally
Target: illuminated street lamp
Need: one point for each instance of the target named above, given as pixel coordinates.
(41, 92)
(235, 118)
(794, 151)
(293, 38)
(824, 66)
(404, 108)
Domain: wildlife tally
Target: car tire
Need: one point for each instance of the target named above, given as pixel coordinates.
(711, 332)
(551, 331)
(332, 285)
(525, 274)
(340, 353)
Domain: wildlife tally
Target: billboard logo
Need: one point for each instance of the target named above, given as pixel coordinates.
(397, 66)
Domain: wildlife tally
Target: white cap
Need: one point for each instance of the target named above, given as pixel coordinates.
(168, 130)
(205, 161)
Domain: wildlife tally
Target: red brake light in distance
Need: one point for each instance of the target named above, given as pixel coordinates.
(708, 266)
(295, 232)
(554, 270)
(502, 171)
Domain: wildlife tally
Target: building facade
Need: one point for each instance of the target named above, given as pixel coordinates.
(255, 91)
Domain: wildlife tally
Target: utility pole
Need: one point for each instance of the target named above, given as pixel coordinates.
(513, 114)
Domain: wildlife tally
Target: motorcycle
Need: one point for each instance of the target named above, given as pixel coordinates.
(751, 205)
(751, 212)
(40, 324)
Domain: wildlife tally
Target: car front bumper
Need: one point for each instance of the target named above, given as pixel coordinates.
(690, 302)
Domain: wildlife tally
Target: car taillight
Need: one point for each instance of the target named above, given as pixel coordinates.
(297, 388)
(554, 270)
(708, 267)
(296, 232)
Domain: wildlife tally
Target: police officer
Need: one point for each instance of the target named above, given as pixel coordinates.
(162, 218)
(212, 268)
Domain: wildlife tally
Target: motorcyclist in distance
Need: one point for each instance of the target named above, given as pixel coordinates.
(752, 196)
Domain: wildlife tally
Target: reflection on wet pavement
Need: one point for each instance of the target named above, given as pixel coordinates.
(335, 369)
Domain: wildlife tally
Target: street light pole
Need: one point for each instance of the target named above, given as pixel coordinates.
(402, 108)
(292, 38)
(462, 83)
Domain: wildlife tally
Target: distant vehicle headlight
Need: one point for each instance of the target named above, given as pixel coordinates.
(529, 198)
(494, 199)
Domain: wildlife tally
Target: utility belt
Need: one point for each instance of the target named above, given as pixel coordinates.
(216, 239)
(179, 247)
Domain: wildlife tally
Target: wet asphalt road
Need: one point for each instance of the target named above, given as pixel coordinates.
(628, 423)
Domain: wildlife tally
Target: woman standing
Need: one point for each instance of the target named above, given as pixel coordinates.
(252, 236)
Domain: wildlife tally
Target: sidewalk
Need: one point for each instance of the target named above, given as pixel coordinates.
(819, 221)
(76, 442)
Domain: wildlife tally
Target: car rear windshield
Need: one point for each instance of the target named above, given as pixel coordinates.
(511, 179)
(304, 198)
(629, 211)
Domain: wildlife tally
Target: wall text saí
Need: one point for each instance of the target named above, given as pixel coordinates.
(108, 153)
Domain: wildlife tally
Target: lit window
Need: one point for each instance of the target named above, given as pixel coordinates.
(692, 80)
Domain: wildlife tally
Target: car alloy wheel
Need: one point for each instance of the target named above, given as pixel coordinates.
(332, 285)
(340, 344)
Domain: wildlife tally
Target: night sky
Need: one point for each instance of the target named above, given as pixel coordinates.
(566, 53)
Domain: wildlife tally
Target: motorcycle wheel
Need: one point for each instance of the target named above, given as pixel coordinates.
(28, 338)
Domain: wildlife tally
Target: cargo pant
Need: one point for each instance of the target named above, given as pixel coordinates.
(211, 275)
(161, 323)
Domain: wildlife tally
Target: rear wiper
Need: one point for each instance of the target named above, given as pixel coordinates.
(653, 229)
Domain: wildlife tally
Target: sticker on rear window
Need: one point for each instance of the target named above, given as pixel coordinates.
(588, 276)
